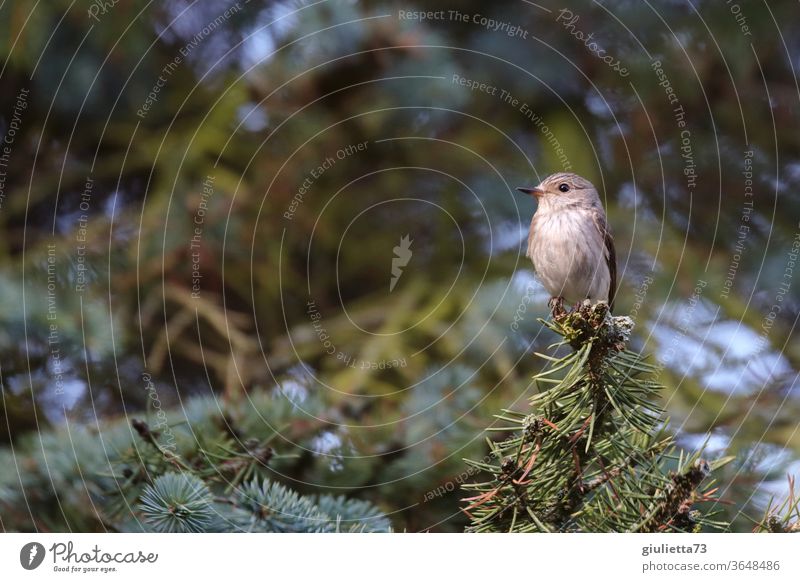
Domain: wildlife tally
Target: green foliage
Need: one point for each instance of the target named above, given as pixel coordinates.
(782, 517)
(177, 502)
(353, 515)
(591, 456)
(204, 472)
(182, 502)
(260, 105)
(271, 507)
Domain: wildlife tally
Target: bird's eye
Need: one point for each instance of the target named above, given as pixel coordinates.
(563, 187)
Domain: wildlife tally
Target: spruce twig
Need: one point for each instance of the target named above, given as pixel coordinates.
(591, 456)
(783, 518)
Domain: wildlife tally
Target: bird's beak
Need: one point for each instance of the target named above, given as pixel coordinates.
(536, 191)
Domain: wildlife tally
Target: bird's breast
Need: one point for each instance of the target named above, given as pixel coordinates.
(568, 254)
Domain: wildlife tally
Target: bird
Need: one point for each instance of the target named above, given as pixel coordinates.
(570, 242)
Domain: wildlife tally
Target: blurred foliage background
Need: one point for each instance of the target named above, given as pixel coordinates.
(183, 196)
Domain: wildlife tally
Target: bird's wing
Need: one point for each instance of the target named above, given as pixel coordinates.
(611, 255)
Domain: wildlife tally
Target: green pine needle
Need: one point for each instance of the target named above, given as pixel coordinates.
(177, 502)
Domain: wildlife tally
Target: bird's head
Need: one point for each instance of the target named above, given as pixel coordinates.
(562, 189)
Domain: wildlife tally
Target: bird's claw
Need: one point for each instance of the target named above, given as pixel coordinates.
(556, 305)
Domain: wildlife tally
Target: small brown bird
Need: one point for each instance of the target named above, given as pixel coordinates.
(570, 243)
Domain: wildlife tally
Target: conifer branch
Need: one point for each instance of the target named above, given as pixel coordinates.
(591, 456)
